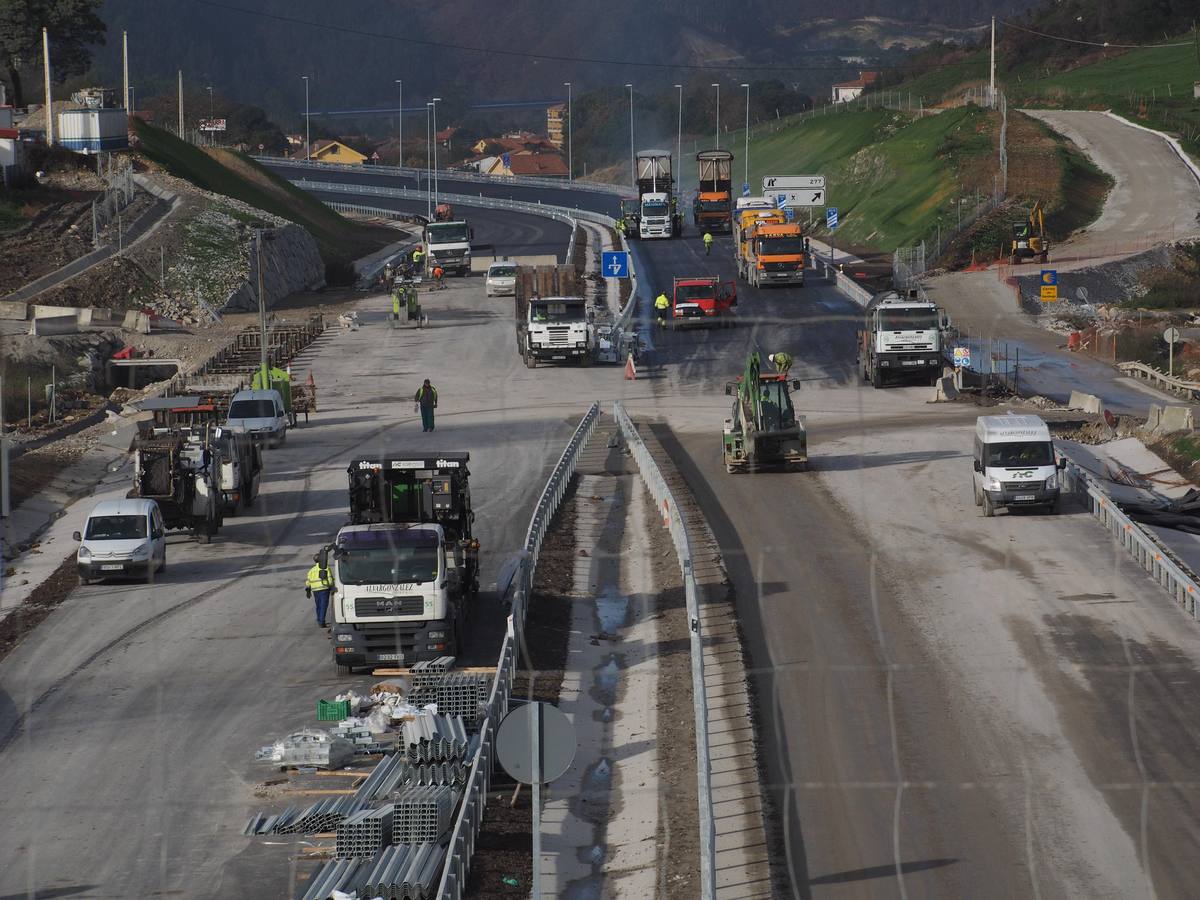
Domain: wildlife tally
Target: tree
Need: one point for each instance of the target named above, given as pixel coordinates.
(74, 26)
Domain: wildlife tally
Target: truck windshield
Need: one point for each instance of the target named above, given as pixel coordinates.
(556, 312)
(719, 206)
(780, 246)
(1020, 453)
(687, 293)
(908, 319)
(252, 409)
(388, 557)
(449, 233)
(654, 208)
(116, 528)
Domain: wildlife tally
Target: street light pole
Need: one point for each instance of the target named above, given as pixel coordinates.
(632, 157)
(211, 133)
(400, 119)
(679, 136)
(436, 100)
(747, 178)
(428, 164)
(718, 120)
(307, 131)
(570, 142)
(262, 308)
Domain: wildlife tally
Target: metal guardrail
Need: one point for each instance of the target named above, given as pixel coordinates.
(1171, 383)
(1151, 555)
(470, 812)
(842, 281)
(657, 486)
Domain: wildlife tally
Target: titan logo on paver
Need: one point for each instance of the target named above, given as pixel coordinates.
(420, 464)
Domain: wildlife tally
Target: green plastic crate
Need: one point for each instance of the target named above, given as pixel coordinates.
(332, 710)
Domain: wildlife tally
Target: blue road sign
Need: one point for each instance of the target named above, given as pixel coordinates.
(614, 264)
(831, 217)
(1049, 276)
(745, 189)
(789, 214)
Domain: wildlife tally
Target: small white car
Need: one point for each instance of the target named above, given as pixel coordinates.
(122, 538)
(501, 279)
(259, 414)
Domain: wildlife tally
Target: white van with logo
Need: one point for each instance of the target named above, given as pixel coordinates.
(122, 538)
(1014, 464)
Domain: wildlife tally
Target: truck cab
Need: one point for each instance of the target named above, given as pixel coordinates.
(901, 339)
(775, 254)
(1013, 464)
(448, 244)
(555, 329)
(703, 300)
(654, 220)
(712, 206)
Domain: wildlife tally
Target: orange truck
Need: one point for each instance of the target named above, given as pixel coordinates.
(772, 251)
(712, 207)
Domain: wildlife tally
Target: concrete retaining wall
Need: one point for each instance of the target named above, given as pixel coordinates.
(68, 324)
(291, 262)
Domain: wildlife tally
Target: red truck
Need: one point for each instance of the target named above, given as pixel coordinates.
(703, 300)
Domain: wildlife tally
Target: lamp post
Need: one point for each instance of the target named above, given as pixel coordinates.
(632, 158)
(679, 135)
(570, 143)
(435, 102)
(307, 131)
(718, 117)
(400, 119)
(211, 133)
(747, 153)
(428, 163)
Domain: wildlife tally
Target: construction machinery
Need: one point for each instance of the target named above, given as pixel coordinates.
(772, 252)
(404, 290)
(448, 244)
(1029, 237)
(713, 204)
(658, 214)
(901, 339)
(181, 471)
(406, 568)
(630, 216)
(703, 300)
(763, 430)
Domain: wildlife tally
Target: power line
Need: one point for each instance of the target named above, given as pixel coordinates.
(493, 51)
(1068, 40)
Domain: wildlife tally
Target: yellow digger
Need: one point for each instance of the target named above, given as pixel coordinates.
(1029, 237)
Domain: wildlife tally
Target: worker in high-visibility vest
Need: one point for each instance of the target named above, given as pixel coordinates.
(661, 305)
(418, 259)
(783, 362)
(316, 585)
(708, 239)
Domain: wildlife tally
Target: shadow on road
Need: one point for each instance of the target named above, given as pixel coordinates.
(888, 871)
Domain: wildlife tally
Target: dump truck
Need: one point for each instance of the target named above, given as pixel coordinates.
(747, 221)
(773, 252)
(658, 215)
(180, 470)
(448, 244)
(1029, 237)
(703, 300)
(405, 570)
(763, 430)
(713, 206)
(553, 323)
(901, 339)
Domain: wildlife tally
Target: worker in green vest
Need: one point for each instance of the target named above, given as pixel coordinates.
(708, 239)
(395, 303)
(783, 362)
(418, 259)
(316, 585)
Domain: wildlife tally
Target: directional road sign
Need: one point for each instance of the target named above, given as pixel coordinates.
(774, 183)
(614, 264)
(802, 197)
(831, 217)
(1171, 335)
(745, 189)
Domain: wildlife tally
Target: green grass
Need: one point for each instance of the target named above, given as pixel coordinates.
(245, 180)
(1187, 447)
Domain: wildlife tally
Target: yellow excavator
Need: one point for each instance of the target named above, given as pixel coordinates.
(1029, 237)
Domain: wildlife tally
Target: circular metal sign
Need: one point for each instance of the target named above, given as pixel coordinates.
(1171, 335)
(535, 728)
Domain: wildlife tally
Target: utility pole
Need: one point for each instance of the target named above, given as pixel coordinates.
(435, 102)
(181, 104)
(400, 119)
(125, 65)
(307, 132)
(992, 77)
(428, 164)
(679, 136)
(747, 178)
(632, 157)
(262, 308)
(49, 100)
(570, 143)
(718, 116)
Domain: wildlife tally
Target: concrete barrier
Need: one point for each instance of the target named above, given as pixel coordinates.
(14, 310)
(944, 389)
(98, 317)
(1086, 402)
(136, 321)
(1176, 418)
(45, 325)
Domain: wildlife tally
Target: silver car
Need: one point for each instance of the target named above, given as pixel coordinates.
(501, 279)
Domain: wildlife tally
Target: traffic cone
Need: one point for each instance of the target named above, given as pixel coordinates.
(630, 368)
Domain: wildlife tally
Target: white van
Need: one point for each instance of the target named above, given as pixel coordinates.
(260, 414)
(1014, 463)
(122, 538)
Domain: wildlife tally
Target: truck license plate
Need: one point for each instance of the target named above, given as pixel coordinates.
(391, 657)
(117, 568)
(1021, 497)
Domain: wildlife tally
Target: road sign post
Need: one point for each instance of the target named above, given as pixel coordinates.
(1171, 336)
(614, 264)
(831, 222)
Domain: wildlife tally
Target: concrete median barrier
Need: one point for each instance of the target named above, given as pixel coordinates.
(45, 325)
(1086, 402)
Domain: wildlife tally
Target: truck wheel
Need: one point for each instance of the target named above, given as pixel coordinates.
(585, 360)
(530, 360)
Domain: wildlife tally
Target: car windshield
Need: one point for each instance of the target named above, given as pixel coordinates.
(690, 292)
(388, 557)
(449, 233)
(502, 272)
(252, 409)
(557, 312)
(1020, 453)
(908, 319)
(116, 528)
(780, 246)
(654, 208)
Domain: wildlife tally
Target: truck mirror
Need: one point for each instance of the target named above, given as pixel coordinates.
(729, 390)
(975, 465)
(795, 384)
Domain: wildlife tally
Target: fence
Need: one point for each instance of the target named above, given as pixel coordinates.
(665, 500)
(470, 812)
(118, 194)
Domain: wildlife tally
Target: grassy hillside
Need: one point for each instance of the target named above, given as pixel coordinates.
(238, 176)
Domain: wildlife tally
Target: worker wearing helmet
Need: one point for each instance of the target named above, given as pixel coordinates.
(418, 258)
(708, 239)
(661, 305)
(316, 585)
(783, 362)
(438, 274)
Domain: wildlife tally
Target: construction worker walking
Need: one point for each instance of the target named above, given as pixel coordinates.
(316, 585)
(661, 305)
(426, 399)
(783, 362)
(708, 239)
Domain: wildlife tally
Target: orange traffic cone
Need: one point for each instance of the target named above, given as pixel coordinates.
(630, 369)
